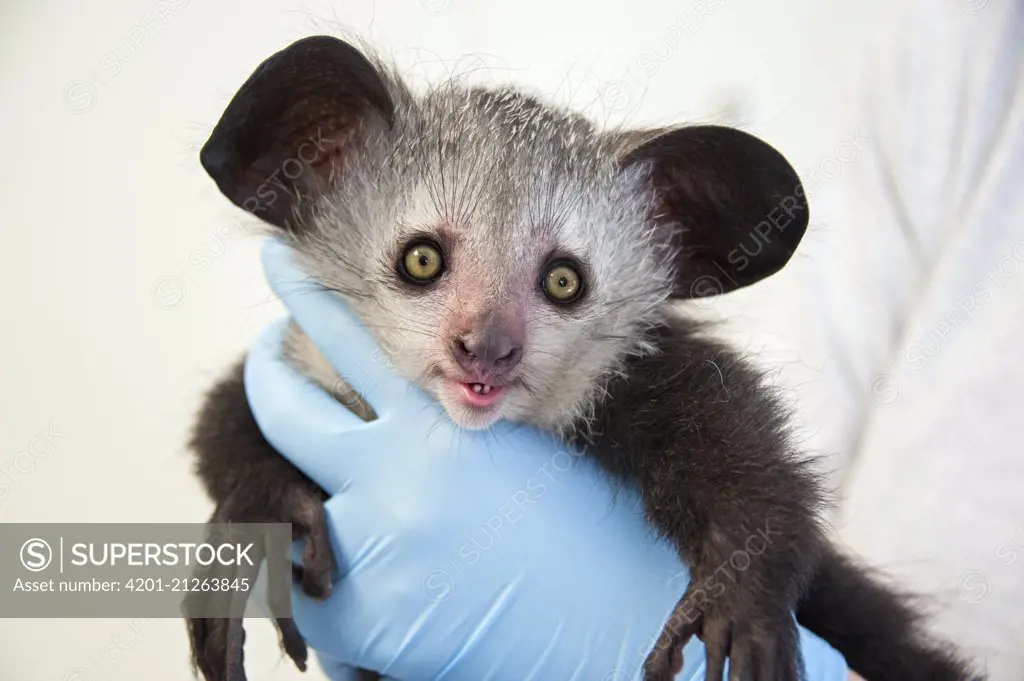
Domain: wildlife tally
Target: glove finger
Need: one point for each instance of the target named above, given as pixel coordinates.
(342, 339)
(299, 419)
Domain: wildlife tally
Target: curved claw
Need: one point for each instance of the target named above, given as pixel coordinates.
(292, 642)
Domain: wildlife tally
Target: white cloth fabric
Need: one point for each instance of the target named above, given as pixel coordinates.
(901, 331)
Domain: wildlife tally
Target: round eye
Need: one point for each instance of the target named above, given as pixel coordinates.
(422, 263)
(562, 283)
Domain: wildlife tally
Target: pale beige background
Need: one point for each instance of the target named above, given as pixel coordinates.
(113, 325)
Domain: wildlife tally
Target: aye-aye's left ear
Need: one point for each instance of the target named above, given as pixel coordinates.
(733, 207)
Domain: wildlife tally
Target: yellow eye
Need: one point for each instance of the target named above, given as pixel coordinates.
(422, 263)
(562, 283)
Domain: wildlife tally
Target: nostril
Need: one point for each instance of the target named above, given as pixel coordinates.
(511, 358)
(463, 350)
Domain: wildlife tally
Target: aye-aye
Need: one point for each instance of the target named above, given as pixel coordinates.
(517, 262)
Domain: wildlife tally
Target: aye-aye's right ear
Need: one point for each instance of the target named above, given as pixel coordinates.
(730, 204)
(284, 135)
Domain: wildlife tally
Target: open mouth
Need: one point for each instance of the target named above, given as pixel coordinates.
(481, 395)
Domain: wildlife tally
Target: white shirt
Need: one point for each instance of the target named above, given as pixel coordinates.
(899, 326)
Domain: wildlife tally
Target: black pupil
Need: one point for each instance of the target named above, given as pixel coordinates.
(563, 281)
(424, 261)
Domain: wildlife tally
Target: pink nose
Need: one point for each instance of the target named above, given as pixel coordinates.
(493, 350)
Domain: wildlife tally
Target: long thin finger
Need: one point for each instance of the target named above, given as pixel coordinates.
(742, 665)
(292, 642)
(682, 624)
(688, 616)
(215, 619)
(236, 650)
(279, 579)
(715, 652)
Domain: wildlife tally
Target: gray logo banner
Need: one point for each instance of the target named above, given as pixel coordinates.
(145, 570)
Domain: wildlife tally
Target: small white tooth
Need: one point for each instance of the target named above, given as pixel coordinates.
(477, 387)
(487, 389)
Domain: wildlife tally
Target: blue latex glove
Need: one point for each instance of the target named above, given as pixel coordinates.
(465, 555)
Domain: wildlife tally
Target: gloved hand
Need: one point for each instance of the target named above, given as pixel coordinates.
(464, 555)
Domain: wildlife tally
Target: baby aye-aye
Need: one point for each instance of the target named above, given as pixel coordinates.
(516, 262)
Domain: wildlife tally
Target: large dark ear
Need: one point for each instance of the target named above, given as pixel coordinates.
(284, 135)
(730, 203)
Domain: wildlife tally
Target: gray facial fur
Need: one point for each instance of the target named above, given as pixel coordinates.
(502, 181)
